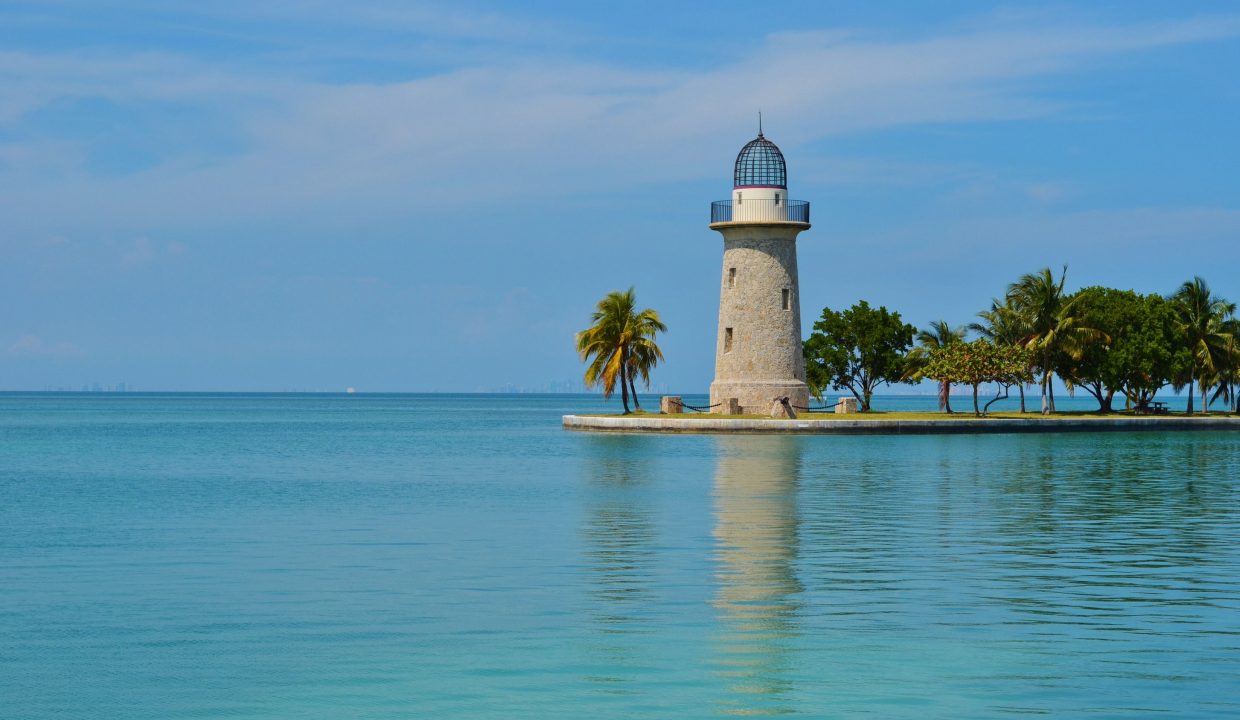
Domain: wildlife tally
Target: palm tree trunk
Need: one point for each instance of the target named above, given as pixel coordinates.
(945, 395)
(633, 388)
(1205, 399)
(624, 380)
(976, 410)
(1046, 374)
(1191, 392)
(1050, 391)
(1022, 399)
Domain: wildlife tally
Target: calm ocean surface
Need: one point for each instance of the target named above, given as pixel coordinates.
(438, 556)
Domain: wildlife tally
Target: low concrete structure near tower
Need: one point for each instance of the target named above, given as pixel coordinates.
(758, 355)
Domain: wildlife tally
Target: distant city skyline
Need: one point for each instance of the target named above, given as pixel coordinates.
(433, 197)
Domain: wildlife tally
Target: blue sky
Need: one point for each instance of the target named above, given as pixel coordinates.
(419, 196)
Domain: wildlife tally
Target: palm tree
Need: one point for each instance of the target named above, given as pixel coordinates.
(1230, 380)
(1204, 323)
(1002, 325)
(938, 335)
(619, 344)
(1050, 326)
(1228, 374)
(644, 353)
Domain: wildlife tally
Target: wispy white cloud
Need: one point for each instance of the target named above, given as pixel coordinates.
(305, 226)
(558, 126)
(1116, 246)
(35, 346)
(142, 251)
(1145, 231)
(1047, 192)
(423, 19)
(413, 18)
(962, 262)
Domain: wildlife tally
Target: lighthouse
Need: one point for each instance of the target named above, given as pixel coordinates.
(758, 356)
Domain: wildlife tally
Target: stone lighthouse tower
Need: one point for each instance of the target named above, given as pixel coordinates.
(758, 358)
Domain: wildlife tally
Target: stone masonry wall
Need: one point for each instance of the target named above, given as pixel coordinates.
(763, 360)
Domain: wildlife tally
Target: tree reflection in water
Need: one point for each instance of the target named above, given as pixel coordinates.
(619, 537)
(757, 600)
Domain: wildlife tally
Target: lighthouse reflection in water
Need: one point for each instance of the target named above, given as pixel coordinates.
(667, 535)
(756, 599)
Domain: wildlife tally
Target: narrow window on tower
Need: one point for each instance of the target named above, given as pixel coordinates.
(739, 199)
(776, 199)
(731, 277)
(786, 299)
(727, 340)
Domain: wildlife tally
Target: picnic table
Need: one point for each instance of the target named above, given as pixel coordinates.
(1153, 408)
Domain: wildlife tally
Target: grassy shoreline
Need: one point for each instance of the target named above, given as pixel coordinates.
(913, 415)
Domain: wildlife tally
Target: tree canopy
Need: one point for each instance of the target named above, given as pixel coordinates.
(1106, 341)
(1051, 326)
(1203, 320)
(940, 334)
(620, 345)
(1142, 352)
(1003, 324)
(978, 362)
(857, 350)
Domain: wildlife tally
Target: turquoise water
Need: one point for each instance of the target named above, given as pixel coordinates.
(412, 556)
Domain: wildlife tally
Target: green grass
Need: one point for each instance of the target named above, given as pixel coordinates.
(1035, 415)
(944, 417)
(688, 415)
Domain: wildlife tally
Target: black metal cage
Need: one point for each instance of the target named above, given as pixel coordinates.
(760, 164)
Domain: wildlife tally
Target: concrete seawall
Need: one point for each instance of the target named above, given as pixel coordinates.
(945, 426)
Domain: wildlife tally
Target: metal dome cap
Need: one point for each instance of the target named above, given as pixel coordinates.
(760, 164)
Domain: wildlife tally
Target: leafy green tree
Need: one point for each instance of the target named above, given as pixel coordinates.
(1003, 325)
(1146, 355)
(1052, 329)
(619, 345)
(1204, 320)
(857, 350)
(938, 335)
(979, 362)
(1136, 353)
